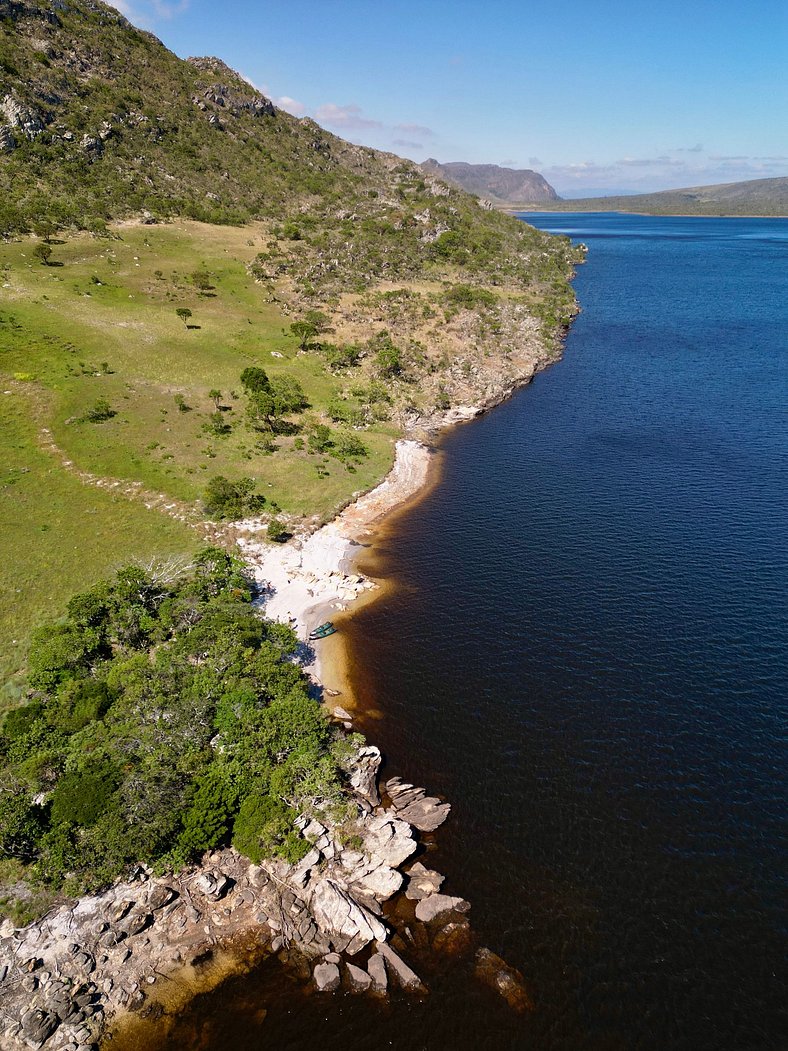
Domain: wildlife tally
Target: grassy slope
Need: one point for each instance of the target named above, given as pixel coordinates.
(58, 536)
(58, 327)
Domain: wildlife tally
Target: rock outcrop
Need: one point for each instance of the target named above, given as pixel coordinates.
(61, 980)
(426, 813)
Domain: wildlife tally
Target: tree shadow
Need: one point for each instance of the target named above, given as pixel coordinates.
(188, 326)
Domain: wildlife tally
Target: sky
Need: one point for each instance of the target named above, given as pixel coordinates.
(600, 96)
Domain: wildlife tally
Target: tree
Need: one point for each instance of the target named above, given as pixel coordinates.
(254, 380)
(44, 228)
(305, 332)
(267, 406)
(216, 397)
(101, 411)
(184, 314)
(317, 318)
(217, 425)
(43, 251)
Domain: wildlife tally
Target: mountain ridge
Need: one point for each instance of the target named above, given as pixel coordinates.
(499, 184)
(758, 197)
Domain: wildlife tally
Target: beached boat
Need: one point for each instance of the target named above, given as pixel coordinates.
(322, 632)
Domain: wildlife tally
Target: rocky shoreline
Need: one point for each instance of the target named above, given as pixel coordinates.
(70, 979)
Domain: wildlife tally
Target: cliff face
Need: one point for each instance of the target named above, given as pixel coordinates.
(490, 180)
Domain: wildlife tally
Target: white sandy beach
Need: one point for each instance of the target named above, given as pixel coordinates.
(310, 577)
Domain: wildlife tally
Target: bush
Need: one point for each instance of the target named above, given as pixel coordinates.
(101, 411)
(232, 500)
(277, 531)
(470, 297)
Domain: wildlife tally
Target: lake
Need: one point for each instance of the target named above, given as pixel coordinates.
(584, 648)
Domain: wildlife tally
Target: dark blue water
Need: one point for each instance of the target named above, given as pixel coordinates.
(586, 651)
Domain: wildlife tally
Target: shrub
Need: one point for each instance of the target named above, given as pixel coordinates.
(101, 411)
(232, 500)
(81, 796)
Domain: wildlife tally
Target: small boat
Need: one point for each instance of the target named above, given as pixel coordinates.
(322, 632)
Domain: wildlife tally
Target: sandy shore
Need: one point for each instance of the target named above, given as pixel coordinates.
(312, 577)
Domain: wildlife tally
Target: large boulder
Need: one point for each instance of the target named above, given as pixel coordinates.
(438, 905)
(405, 976)
(388, 840)
(377, 972)
(358, 980)
(336, 911)
(380, 882)
(364, 774)
(426, 813)
(326, 977)
(422, 882)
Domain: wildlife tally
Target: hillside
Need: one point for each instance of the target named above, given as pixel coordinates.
(752, 197)
(166, 230)
(500, 185)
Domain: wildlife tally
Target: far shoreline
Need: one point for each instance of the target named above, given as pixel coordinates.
(619, 211)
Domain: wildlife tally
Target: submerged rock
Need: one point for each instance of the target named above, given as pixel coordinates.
(504, 980)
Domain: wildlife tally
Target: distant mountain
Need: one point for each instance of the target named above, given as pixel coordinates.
(752, 197)
(500, 185)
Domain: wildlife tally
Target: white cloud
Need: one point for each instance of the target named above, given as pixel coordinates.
(298, 109)
(350, 117)
(415, 129)
(406, 144)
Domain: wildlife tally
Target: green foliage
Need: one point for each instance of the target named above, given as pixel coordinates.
(344, 356)
(255, 380)
(99, 413)
(388, 357)
(153, 746)
(469, 297)
(305, 332)
(208, 820)
(277, 531)
(348, 447)
(232, 500)
(43, 252)
(184, 314)
(81, 796)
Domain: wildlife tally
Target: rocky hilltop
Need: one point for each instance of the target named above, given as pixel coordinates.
(500, 185)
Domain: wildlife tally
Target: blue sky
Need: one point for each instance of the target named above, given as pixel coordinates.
(595, 94)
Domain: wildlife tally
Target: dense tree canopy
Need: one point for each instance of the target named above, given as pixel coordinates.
(164, 717)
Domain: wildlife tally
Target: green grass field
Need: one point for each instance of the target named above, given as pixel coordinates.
(103, 325)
